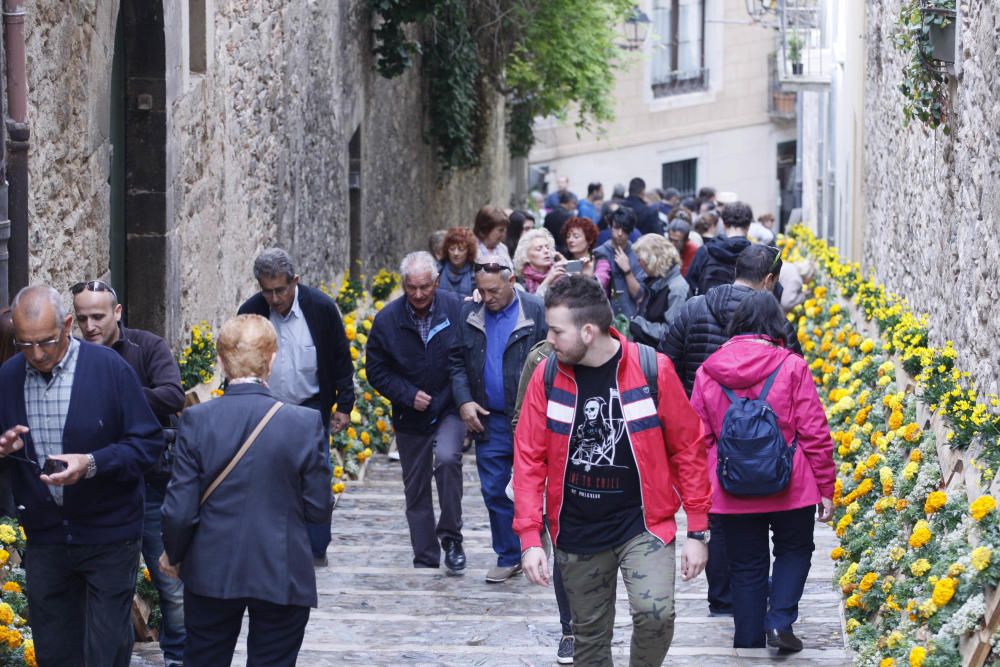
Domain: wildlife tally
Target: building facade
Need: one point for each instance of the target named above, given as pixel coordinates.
(697, 105)
(172, 141)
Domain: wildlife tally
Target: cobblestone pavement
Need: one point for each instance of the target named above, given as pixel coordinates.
(375, 609)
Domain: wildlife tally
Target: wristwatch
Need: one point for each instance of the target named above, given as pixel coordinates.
(91, 466)
(700, 535)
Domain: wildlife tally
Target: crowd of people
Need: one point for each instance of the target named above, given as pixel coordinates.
(606, 359)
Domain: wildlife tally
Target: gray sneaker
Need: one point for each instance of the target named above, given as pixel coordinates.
(564, 656)
(498, 574)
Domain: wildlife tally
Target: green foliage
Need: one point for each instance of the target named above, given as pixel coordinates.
(924, 85)
(795, 45)
(558, 63)
(528, 50)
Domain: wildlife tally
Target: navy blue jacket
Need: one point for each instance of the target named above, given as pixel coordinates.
(468, 357)
(399, 363)
(647, 218)
(249, 539)
(333, 351)
(109, 418)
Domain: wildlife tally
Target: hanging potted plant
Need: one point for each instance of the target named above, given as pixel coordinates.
(794, 50)
(939, 17)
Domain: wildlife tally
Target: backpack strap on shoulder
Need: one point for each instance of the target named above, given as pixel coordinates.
(769, 382)
(647, 360)
(551, 366)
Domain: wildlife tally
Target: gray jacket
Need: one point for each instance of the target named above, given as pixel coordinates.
(249, 539)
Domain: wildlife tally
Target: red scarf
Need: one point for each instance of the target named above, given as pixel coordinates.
(532, 278)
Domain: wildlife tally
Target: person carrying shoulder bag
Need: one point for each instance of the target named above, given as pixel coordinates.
(249, 473)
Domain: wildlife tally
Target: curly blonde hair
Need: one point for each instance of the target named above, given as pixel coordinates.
(657, 254)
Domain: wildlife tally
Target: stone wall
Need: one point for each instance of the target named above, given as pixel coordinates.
(933, 201)
(256, 149)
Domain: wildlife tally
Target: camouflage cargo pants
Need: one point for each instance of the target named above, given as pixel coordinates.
(591, 581)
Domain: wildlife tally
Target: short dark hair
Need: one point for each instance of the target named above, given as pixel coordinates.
(756, 262)
(706, 193)
(691, 203)
(585, 299)
(566, 197)
(679, 225)
(487, 219)
(758, 313)
(670, 193)
(623, 217)
(593, 187)
(636, 186)
(737, 214)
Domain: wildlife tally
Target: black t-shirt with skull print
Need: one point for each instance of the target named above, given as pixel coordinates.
(602, 502)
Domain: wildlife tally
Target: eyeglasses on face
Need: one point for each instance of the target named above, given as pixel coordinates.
(93, 286)
(277, 292)
(25, 346)
(491, 267)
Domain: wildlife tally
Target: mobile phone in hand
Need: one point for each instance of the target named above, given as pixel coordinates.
(53, 466)
(573, 266)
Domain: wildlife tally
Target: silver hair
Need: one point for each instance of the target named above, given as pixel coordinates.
(272, 263)
(32, 307)
(418, 262)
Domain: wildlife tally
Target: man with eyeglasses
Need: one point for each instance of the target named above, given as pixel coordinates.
(77, 437)
(494, 340)
(714, 263)
(699, 330)
(314, 366)
(98, 316)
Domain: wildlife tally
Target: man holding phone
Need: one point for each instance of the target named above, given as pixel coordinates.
(76, 435)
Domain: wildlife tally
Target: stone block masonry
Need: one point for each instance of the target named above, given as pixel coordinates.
(932, 201)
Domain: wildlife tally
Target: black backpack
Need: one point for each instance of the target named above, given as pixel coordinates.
(754, 459)
(647, 360)
(715, 273)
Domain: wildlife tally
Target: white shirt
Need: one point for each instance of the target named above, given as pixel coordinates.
(295, 376)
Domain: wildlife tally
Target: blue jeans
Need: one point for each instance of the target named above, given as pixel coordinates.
(171, 590)
(495, 460)
(80, 598)
(755, 610)
(720, 599)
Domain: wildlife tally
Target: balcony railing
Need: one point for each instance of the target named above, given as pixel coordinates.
(679, 83)
(805, 60)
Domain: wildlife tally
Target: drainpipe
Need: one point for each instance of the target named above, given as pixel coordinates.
(18, 136)
(4, 220)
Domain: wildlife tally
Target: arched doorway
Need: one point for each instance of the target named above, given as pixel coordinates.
(139, 224)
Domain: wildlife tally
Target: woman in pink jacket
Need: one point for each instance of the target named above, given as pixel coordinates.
(743, 364)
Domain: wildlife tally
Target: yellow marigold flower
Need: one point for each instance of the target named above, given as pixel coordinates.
(146, 575)
(935, 501)
(897, 553)
(29, 654)
(4, 557)
(916, 456)
(338, 472)
(921, 534)
(944, 590)
(920, 567)
(867, 345)
(895, 419)
(887, 662)
(910, 470)
(363, 374)
(12, 587)
(338, 487)
(887, 584)
(902, 504)
(380, 425)
(355, 354)
(981, 557)
(917, 656)
(7, 534)
(842, 525)
(885, 476)
(351, 433)
(355, 417)
(912, 432)
(366, 438)
(853, 602)
(837, 553)
(6, 614)
(956, 569)
(894, 638)
(868, 581)
(982, 506)
(852, 625)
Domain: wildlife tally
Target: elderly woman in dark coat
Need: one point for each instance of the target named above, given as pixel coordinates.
(664, 290)
(234, 528)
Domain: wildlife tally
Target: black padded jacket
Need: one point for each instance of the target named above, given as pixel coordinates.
(700, 329)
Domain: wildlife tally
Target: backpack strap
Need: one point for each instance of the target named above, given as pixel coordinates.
(647, 360)
(769, 382)
(551, 366)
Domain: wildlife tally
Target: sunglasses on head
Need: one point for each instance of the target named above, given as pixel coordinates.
(491, 267)
(93, 286)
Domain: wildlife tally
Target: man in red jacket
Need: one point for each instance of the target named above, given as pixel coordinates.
(611, 467)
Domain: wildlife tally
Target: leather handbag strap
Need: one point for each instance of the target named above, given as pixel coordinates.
(243, 450)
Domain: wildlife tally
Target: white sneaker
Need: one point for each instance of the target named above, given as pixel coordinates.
(394, 455)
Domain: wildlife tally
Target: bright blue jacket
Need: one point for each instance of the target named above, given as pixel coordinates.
(109, 418)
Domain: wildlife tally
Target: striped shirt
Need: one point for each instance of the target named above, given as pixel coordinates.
(47, 404)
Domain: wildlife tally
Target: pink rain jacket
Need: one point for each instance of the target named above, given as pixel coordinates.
(743, 364)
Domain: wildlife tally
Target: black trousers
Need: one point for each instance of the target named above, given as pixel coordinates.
(213, 627)
(720, 595)
(80, 597)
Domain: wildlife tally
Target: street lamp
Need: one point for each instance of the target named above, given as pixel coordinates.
(758, 9)
(634, 29)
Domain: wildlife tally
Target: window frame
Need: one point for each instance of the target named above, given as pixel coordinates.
(674, 84)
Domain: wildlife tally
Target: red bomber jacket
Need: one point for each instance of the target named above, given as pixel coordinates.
(667, 442)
